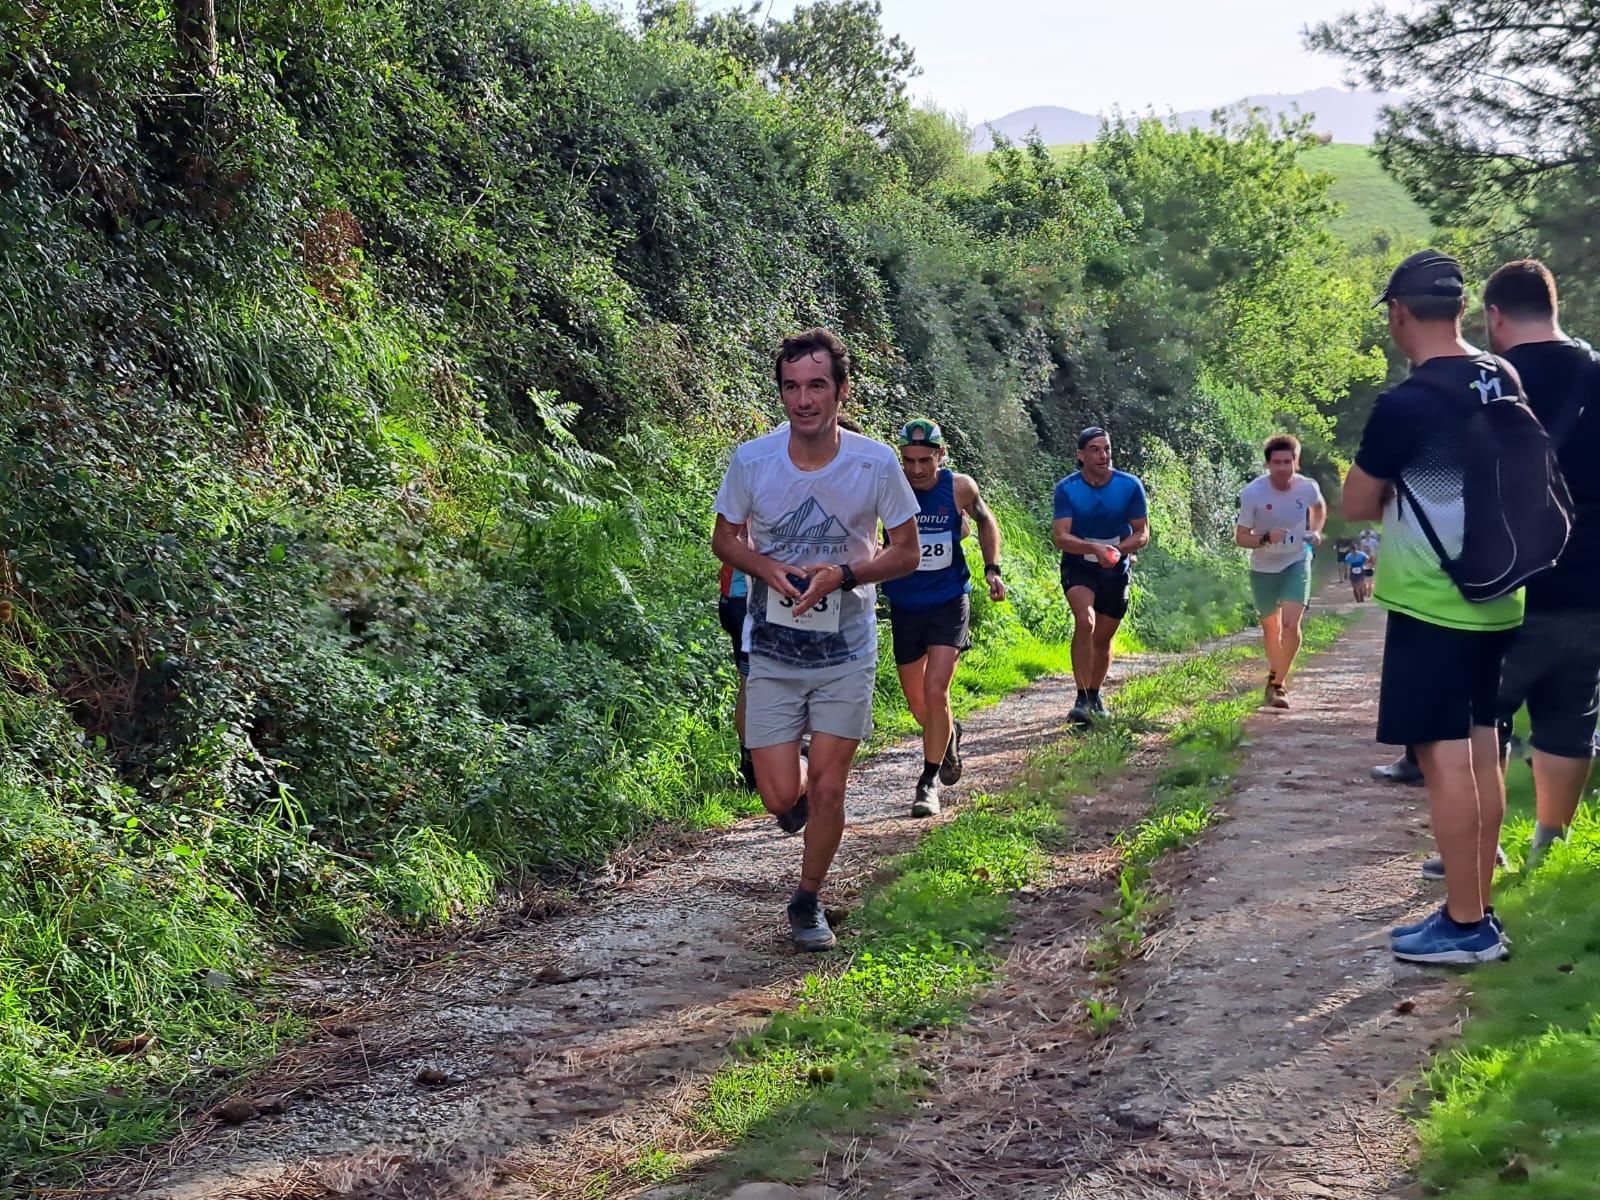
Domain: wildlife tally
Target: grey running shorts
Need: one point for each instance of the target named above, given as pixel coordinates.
(783, 702)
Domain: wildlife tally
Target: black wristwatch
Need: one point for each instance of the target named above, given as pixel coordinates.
(1266, 538)
(847, 578)
(993, 569)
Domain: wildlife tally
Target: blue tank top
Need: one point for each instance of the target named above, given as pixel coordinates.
(941, 575)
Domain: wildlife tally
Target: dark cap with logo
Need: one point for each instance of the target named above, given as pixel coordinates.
(1425, 273)
(1089, 435)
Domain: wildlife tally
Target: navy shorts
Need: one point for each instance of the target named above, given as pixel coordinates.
(1110, 585)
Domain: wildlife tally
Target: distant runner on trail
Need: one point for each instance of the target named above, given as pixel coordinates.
(1342, 547)
(1442, 652)
(929, 609)
(813, 497)
(1281, 515)
(1101, 517)
(1360, 564)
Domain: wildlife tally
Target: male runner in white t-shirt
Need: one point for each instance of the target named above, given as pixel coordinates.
(1281, 515)
(813, 497)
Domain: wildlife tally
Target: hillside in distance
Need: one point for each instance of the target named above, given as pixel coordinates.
(1372, 198)
(1347, 116)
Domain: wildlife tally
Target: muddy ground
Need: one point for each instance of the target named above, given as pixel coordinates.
(1264, 1048)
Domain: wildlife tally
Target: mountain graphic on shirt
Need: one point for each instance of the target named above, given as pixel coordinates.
(809, 523)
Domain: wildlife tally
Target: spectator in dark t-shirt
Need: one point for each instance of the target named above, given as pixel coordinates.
(1442, 653)
(1553, 663)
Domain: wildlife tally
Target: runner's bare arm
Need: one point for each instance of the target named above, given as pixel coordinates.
(1316, 519)
(1138, 539)
(728, 544)
(1363, 495)
(969, 501)
(1068, 543)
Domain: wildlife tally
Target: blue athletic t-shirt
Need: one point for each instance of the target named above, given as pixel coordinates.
(1101, 513)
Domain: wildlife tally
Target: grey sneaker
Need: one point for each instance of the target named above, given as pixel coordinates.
(808, 927)
(1401, 770)
(1433, 868)
(794, 820)
(950, 768)
(926, 803)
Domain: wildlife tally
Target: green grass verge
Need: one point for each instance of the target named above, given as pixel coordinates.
(918, 950)
(1515, 1108)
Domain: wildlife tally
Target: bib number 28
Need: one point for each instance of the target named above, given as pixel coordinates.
(936, 552)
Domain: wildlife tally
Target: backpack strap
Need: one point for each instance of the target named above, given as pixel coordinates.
(1404, 494)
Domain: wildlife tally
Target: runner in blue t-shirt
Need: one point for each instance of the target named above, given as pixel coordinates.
(929, 609)
(1101, 517)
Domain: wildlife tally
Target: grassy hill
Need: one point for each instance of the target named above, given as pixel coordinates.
(1371, 198)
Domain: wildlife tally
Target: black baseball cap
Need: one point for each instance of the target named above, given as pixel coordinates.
(921, 432)
(1089, 435)
(1425, 273)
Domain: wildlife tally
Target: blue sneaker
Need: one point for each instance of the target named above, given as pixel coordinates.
(1441, 941)
(1400, 931)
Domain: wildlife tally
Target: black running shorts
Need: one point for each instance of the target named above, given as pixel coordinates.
(1438, 683)
(730, 612)
(1110, 585)
(1553, 666)
(915, 630)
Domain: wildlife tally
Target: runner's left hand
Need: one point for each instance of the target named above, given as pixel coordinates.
(997, 588)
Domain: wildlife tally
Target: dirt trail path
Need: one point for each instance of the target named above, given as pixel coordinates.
(534, 1039)
(1268, 1034)
(1262, 1047)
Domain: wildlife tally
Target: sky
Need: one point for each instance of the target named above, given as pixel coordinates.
(987, 58)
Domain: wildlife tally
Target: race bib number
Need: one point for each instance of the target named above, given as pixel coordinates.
(938, 551)
(824, 618)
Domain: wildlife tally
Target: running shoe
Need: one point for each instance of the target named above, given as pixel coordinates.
(795, 819)
(1441, 940)
(1536, 855)
(1098, 709)
(1277, 696)
(808, 927)
(1082, 713)
(1400, 931)
(926, 803)
(1433, 868)
(950, 768)
(1401, 770)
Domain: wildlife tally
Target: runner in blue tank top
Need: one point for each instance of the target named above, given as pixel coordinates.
(1101, 518)
(929, 609)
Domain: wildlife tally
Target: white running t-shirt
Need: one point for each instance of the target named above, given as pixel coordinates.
(1263, 507)
(807, 517)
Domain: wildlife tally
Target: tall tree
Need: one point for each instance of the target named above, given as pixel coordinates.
(1501, 131)
(196, 22)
